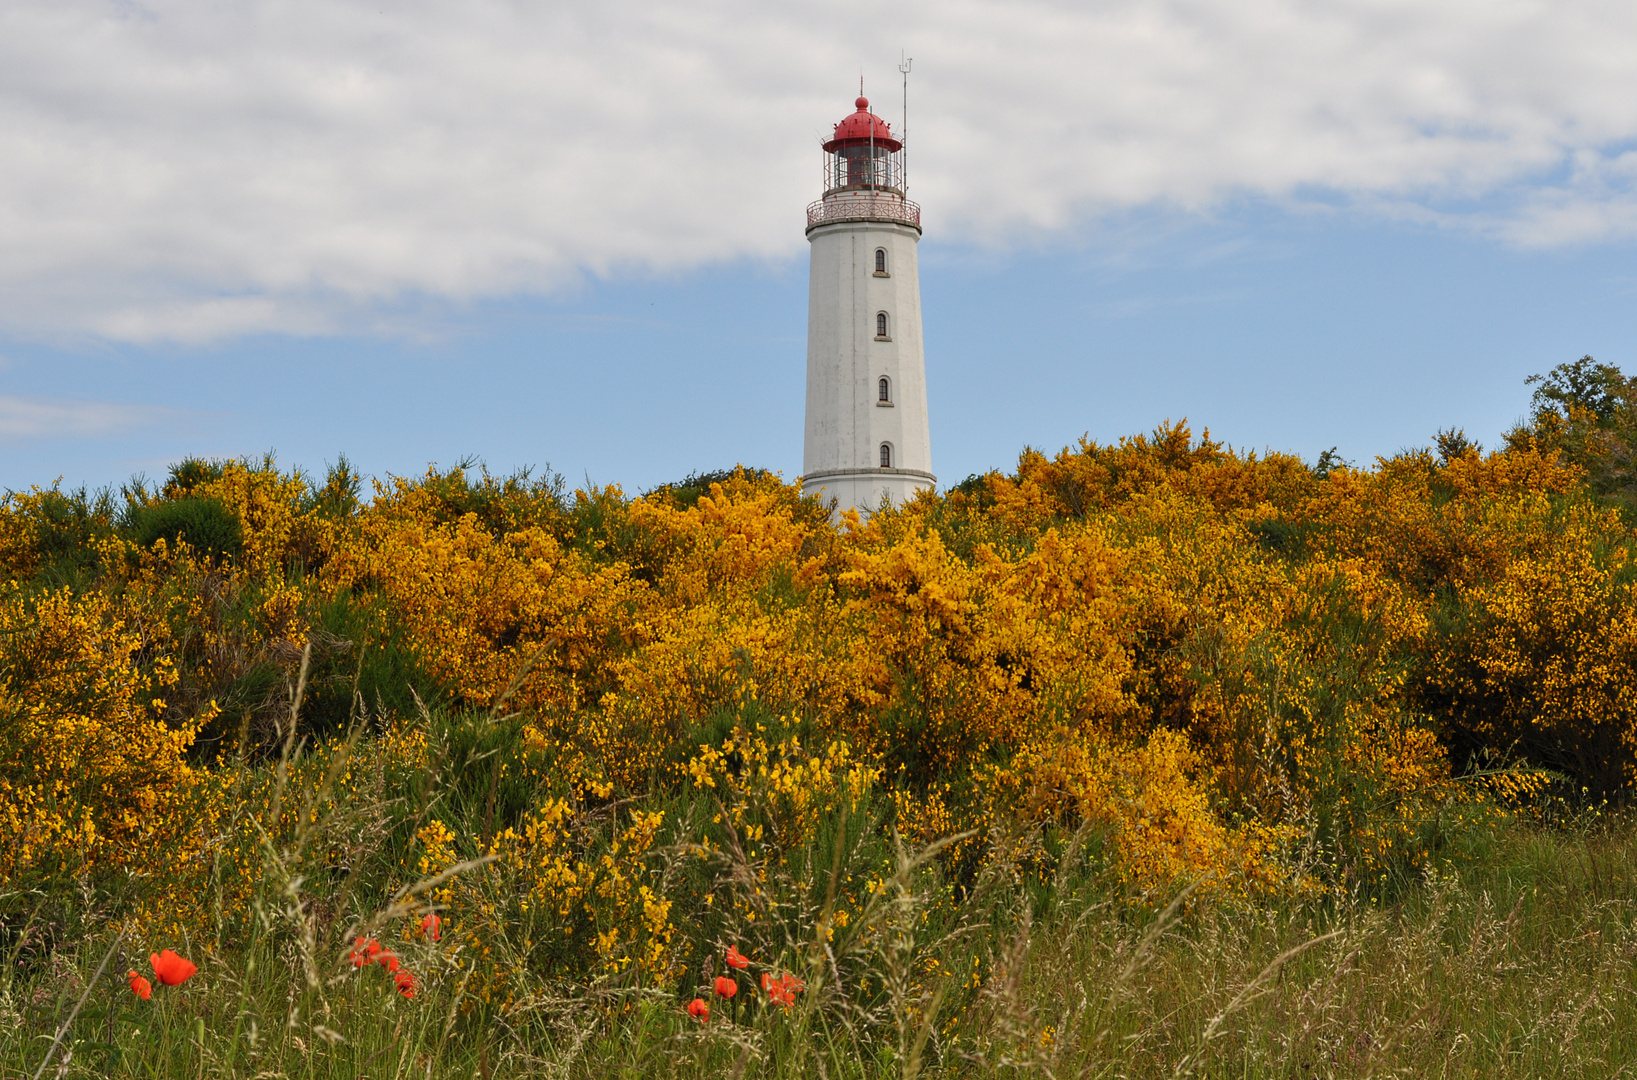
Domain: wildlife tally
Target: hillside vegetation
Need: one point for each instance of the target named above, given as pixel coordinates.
(1155, 758)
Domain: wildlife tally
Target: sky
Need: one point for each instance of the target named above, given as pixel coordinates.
(569, 236)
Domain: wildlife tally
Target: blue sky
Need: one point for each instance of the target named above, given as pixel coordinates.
(413, 237)
(1276, 330)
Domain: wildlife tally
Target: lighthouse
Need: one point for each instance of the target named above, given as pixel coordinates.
(866, 440)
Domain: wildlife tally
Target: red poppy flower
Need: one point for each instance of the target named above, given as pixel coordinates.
(405, 983)
(141, 987)
(388, 960)
(737, 959)
(364, 950)
(726, 987)
(432, 926)
(781, 990)
(699, 1010)
(171, 969)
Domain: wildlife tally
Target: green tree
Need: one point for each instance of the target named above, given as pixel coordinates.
(1587, 412)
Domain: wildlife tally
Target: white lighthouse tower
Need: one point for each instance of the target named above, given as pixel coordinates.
(867, 435)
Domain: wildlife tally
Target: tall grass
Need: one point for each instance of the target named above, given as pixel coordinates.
(1512, 956)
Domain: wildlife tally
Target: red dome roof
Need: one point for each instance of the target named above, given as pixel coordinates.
(857, 130)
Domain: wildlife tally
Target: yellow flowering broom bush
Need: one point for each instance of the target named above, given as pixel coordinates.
(1231, 668)
(93, 774)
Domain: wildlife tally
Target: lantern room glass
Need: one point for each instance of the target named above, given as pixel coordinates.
(868, 167)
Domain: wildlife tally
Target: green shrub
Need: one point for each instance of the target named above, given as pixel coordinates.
(190, 473)
(687, 491)
(205, 524)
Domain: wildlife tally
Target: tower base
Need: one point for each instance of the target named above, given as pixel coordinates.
(866, 489)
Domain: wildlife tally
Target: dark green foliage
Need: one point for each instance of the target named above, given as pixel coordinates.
(66, 528)
(1329, 462)
(1452, 444)
(204, 524)
(687, 491)
(340, 495)
(975, 488)
(482, 770)
(1587, 413)
(501, 503)
(1483, 714)
(1281, 537)
(190, 473)
(361, 665)
(359, 668)
(1599, 389)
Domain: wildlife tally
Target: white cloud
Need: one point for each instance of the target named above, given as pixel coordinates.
(189, 170)
(28, 418)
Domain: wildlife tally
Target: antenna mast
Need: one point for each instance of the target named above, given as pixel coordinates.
(903, 129)
(870, 174)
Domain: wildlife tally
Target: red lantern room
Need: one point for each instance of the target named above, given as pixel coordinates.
(863, 173)
(863, 154)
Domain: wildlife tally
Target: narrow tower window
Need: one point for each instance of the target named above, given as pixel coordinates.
(886, 455)
(883, 390)
(881, 260)
(881, 324)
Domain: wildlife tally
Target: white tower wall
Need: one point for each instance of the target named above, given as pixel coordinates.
(846, 359)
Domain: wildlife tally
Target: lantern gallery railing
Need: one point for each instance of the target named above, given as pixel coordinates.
(864, 206)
